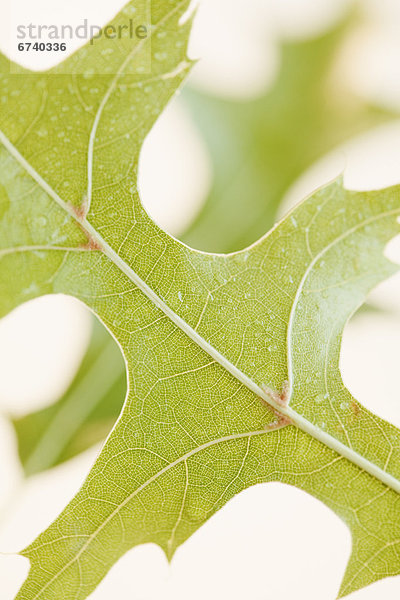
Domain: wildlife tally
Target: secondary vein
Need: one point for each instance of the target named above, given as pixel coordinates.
(296, 419)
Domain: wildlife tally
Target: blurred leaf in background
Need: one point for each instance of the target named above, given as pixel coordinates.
(260, 147)
(83, 415)
(256, 157)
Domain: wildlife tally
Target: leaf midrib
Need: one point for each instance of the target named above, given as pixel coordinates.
(294, 417)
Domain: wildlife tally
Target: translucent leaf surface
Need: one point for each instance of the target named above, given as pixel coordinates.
(261, 146)
(232, 360)
(250, 180)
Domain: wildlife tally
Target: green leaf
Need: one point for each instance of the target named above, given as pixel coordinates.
(84, 414)
(232, 360)
(251, 178)
(260, 147)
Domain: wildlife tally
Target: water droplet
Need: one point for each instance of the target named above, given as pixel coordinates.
(41, 221)
(160, 55)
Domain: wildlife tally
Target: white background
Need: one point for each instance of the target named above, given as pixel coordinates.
(271, 542)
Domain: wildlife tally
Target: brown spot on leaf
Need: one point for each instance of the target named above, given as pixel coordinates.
(91, 245)
(285, 393)
(281, 421)
(355, 408)
(281, 398)
(79, 211)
